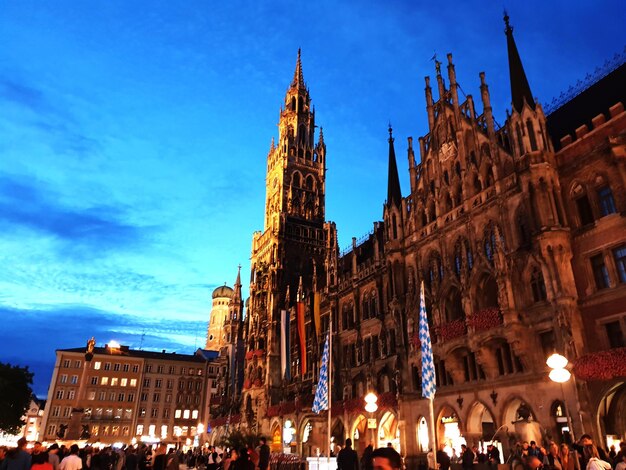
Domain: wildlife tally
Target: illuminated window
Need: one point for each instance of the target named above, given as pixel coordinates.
(151, 429)
(164, 431)
(139, 429)
(104, 381)
(94, 430)
(133, 382)
(186, 414)
(194, 414)
(114, 381)
(91, 395)
(125, 431)
(118, 413)
(177, 414)
(128, 413)
(124, 382)
(96, 366)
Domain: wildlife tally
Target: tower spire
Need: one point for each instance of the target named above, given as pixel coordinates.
(520, 89)
(298, 77)
(394, 195)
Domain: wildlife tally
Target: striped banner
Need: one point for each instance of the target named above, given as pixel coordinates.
(301, 336)
(284, 345)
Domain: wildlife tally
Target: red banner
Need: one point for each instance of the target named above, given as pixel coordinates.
(301, 337)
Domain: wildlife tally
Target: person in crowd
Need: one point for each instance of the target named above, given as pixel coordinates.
(131, 462)
(17, 458)
(620, 454)
(493, 457)
(621, 465)
(172, 460)
(568, 457)
(3, 454)
(430, 459)
(552, 460)
(53, 456)
(38, 455)
(264, 454)
(443, 459)
(532, 462)
(612, 453)
(535, 451)
(243, 461)
(386, 458)
(72, 461)
(366, 458)
(467, 458)
(479, 455)
(594, 462)
(231, 457)
(584, 441)
(159, 462)
(347, 459)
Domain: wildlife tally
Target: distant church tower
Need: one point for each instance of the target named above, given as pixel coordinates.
(292, 245)
(216, 334)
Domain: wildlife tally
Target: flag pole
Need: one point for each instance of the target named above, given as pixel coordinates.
(433, 433)
(330, 376)
(429, 379)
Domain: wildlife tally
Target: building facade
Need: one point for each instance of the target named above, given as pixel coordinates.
(116, 394)
(518, 234)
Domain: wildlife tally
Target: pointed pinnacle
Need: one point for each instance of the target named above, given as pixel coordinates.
(298, 77)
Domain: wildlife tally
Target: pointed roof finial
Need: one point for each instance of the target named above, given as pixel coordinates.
(300, 293)
(520, 89)
(272, 147)
(298, 77)
(321, 137)
(394, 195)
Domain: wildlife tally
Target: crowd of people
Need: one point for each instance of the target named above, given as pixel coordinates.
(140, 457)
(583, 455)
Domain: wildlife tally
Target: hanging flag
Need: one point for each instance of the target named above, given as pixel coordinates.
(321, 394)
(284, 345)
(301, 335)
(429, 385)
(316, 314)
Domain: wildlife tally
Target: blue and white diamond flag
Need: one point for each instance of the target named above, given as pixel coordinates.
(321, 394)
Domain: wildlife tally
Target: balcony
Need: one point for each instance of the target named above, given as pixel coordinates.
(603, 365)
(451, 330)
(485, 319)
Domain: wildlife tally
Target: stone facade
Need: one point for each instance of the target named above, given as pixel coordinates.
(520, 250)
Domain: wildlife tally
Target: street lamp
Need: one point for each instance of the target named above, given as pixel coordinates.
(371, 407)
(559, 374)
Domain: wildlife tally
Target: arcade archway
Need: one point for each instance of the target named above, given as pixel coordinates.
(359, 434)
(388, 432)
(449, 431)
(611, 412)
(481, 425)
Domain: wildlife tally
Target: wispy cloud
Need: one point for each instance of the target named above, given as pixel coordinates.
(91, 231)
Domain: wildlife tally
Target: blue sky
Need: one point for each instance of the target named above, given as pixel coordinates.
(133, 138)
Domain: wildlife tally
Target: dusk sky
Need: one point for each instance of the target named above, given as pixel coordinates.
(133, 139)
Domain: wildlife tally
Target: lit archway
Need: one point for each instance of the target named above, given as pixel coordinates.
(359, 434)
(481, 425)
(423, 435)
(276, 443)
(611, 412)
(449, 431)
(388, 432)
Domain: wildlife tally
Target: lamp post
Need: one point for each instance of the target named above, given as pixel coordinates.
(559, 374)
(371, 407)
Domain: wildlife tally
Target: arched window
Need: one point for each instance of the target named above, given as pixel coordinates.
(478, 187)
(585, 214)
(468, 255)
(490, 244)
(445, 177)
(394, 226)
(366, 308)
(537, 285)
(373, 304)
(524, 229)
(458, 259)
(296, 180)
(310, 183)
(531, 135)
(520, 141)
(293, 103)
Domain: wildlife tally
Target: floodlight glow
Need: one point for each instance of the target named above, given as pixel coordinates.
(556, 361)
